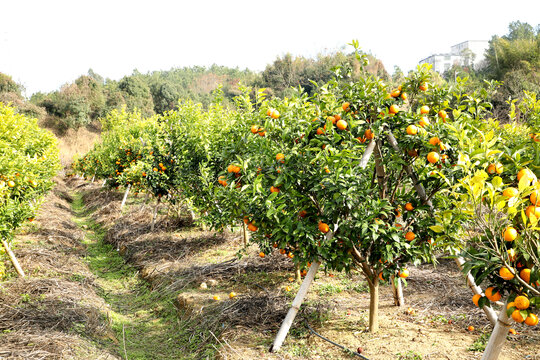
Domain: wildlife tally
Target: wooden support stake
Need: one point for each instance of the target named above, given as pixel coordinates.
(125, 197)
(498, 337)
(245, 233)
(104, 182)
(13, 258)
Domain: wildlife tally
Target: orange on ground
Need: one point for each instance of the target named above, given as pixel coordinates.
(232, 295)
(261, 254)
(470, 328)
(512, 331)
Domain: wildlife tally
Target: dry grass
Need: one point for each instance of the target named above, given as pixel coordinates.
(78, 141)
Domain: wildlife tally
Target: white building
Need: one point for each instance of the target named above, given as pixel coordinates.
(467, 53)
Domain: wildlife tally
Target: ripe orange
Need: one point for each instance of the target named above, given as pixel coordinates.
(381, 277)
(424, 110)
(404, 96)
(505, 273)
(434, 141)
(216, 297)
(246, 220)
(517, 317)
(533, 210)
(323, 227)
(525, 274)
(288, 288)
(433, 157)
(525, 172)
(290, 255)
(470, 328)
(535, 199)
(274, 114)
(261, 254)
(424, 121)
(326, 170)
(254, 129)
(274, 189)
(395, 93)
(495, 168)
(11, 183)
(332, 119)
(404, 273)
(368, 134)
(302, 213)
(423, 86)
(320, 131)
(337, 117)
(522, 302)
(412, 130)
(531, 320)
(442, 114)
(262, 132)
(282, 251)
(345, 106)
(341, 124)
(409, 207)
(493, 296)
(510, 234)
(512, 331)
(232, 295)
(394, 109)
(252, 227)
(510, 192)
(476, 298)
(410, 236)
(510, 305)
(280, 156)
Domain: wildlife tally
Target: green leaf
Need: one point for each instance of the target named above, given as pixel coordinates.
(437, 228)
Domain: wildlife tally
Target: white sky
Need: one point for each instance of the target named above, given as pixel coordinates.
(46, 43)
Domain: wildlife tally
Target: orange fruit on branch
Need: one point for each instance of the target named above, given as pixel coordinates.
(476, 298)
(424, 110)
(517, 317)
(394, 109)
(434, 141)
(533, 210)
(433, 157)
(404, 273)
(510, 234)
(341, 124)
(410, 236)
(505, 273)
(323, 227)
(522, 302)
(424, 121)
(491, 295)
(412, 130)
(510, 192)
(525, 274)
(531, 320)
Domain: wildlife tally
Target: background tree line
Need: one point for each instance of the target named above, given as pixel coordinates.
(513, 59)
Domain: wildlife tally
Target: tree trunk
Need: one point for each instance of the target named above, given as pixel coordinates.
(488, 310)
(397, 290)
(498, 337)
(374, 305)
(125, 197)
(297, 274)
(13, 259)
(297, 302)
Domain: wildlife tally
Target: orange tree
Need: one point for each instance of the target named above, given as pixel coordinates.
(304, 178)
(496, 204)
(28, 162)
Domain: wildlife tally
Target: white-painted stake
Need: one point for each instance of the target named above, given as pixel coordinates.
(125, 196)
(498, 337)
(13, 259)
